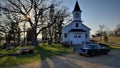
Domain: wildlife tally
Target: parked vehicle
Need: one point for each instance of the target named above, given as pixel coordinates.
(92, 50)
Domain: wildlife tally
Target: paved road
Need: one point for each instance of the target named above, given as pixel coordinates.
(112, 60)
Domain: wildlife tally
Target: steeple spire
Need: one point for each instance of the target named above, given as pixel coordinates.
(77, 12)
(77, 8)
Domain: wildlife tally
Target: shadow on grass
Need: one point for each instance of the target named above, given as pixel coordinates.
(49, 51)
(40, 54)
(10, 58)
(15, 60)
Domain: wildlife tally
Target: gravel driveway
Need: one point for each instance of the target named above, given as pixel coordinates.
(112, 60)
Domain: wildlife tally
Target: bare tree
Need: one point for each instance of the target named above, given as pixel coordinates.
(4, 28)
(1, 37)
(29, 35)
(33, 12)
(100, 32)
(117, 30)
(61, 15)
(57, 16)
(10, 27)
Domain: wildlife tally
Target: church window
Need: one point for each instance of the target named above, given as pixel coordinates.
(79, 36)
(75, 36)
(86, 35)
(65, 35)
(76, 24)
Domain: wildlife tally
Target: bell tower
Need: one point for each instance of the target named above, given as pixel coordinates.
(77, 12)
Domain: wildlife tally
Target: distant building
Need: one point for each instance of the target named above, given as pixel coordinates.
(76, 33)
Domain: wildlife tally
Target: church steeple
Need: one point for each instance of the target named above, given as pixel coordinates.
(77, 12)
(77, 7)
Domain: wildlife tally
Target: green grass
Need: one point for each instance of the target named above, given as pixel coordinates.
(41, 52)
(48, 51)
(12, 50)
(8, 61)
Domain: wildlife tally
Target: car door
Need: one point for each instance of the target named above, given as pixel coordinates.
(96, 50)
(99, 49)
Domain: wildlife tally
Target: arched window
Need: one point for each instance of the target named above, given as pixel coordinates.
(65, 35)
(79, 36)
(76, 25)
(75, 36)
(86, 35)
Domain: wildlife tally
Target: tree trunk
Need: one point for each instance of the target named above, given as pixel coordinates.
(18, 41)
(14, 39)
(34, 38)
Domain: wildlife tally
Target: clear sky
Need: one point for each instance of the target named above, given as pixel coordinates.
(97, 12)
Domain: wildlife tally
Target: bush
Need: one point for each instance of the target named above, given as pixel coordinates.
(66, 44)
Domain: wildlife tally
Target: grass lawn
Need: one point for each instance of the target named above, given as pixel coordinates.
(115, 46)
(41, 52)
(114, 39)
(13, 50)
(114, 42)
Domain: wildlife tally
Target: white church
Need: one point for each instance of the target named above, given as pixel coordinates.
(76, 33)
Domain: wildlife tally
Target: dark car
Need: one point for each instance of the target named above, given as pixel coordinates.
(92, 50)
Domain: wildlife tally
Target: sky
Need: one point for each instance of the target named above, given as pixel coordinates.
(97, 12)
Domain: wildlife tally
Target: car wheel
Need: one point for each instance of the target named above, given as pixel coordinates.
(80, 54)
(106, 53)
(92, 54)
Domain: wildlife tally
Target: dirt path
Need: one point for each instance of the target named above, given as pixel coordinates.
(112, 60)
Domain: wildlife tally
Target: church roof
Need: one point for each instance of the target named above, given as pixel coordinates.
(77, 30)
(77, 8)
(72, 23)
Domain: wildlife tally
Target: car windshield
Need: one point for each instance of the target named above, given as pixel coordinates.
(86, 46)
(91, 46)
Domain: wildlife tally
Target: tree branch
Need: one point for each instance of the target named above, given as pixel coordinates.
(22, 5)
